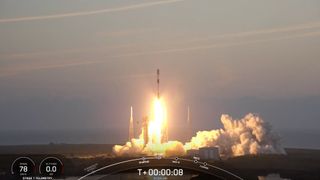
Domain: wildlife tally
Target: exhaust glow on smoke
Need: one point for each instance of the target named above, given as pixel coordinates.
(249, 135)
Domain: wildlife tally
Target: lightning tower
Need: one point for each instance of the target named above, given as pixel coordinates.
(189, 125)
(158, 83)
(131, 130)
(188, 118)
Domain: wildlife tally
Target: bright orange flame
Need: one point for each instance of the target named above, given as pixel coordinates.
(158, 122)
(155, 141)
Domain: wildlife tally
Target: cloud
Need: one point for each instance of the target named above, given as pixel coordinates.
(87, 13)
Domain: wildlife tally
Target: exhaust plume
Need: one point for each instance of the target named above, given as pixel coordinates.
(249, 135)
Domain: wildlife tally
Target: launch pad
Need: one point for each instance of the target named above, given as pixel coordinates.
(154, 128)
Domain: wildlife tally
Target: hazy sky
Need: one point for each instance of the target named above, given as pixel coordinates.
(81, 64)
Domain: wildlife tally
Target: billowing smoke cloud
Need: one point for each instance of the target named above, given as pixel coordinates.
(249, 135)
(137, 147)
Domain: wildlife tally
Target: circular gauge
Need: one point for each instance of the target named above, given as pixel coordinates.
(23, 166)
(51, 166)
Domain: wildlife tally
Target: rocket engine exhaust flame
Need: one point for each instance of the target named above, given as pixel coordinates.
(249, 135)
(153, 137)
(158, 123)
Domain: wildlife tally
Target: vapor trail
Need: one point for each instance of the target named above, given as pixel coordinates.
(299, 27)
(166, 51)
(247, 34)
(221, 45)
(86, 13)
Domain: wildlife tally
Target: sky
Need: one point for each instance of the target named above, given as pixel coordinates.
(81, 64)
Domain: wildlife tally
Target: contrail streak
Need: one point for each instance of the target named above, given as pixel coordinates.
(276, 30)
(222, 45)
(86, 13)
(299, 27)
(163, 51)
(269, 31)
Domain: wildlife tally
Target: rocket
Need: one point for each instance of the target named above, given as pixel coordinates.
(165, 130)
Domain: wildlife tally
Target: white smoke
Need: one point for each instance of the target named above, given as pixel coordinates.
(137, 147)
(249, 135)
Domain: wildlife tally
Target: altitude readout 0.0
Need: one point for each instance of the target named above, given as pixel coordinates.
(160, 172)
